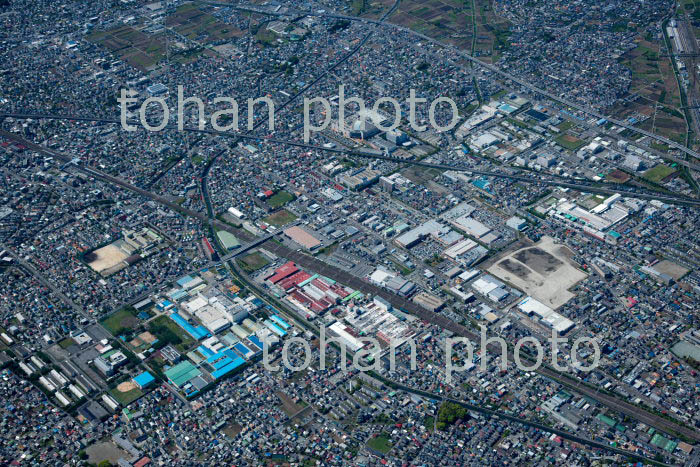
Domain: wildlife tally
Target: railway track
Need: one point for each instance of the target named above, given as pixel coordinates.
(656, 421)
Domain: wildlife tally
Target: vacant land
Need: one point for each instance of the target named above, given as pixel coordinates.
(253, 262)
(288, 405)
(67, 342)
(592, 201)
(105, 451)
(569, 142)
(380, 443)
(543, 271)
(618, 176)
(167, 331)
(674, 270)
(280, 218)
(232, 430)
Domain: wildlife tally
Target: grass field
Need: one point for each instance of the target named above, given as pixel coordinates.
(380, 443)
(280, 218)
(65, 343)
(658, 173)
(569, 142)
(126, 398)
(279, 199)
(163, 326)
(565, 125)
(253, 262)
(122, 319)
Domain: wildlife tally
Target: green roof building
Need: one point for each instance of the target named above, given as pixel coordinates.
(228, 240)
(182, 373)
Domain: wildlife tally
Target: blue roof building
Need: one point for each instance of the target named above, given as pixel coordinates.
(199, 332)
(144, 380)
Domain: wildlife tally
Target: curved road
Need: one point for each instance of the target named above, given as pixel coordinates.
(577, 184)
(295, 317)
(587, 110)
(309, 262)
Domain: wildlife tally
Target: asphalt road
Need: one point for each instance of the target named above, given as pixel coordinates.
(587, 110)
(351, 281)
(547, 179)
(312, 263)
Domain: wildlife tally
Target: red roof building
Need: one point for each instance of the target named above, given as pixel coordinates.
(283, 271)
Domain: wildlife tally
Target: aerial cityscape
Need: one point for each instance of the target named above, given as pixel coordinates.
(350, 232)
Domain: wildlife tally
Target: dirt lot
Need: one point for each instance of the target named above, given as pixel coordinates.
(288, 405)
(672, 269)
(105, 450)
(543, 271)
(106, 257)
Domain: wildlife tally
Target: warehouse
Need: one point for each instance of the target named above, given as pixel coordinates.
(198, 332)
(547, 316)
(428, 301)
(275, 328)
(340, 330)
(214, 318)
(236, 213)
(416, 235)
(486, 284)
(182, 373)
(459, 248)
(517, 223)
(471, 226)
(222, 363)
(282, 272)
(302, 237)
(228, 240)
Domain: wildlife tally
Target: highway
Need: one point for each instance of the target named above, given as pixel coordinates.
(557, 98)
(311, 263)
(551, 180)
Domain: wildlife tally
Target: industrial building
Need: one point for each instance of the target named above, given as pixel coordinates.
(429, 302)
(302, 237)
(359, 179)
(516, 223)
(416, 235)
(546, 315)
(228, 240)
(471, 226)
